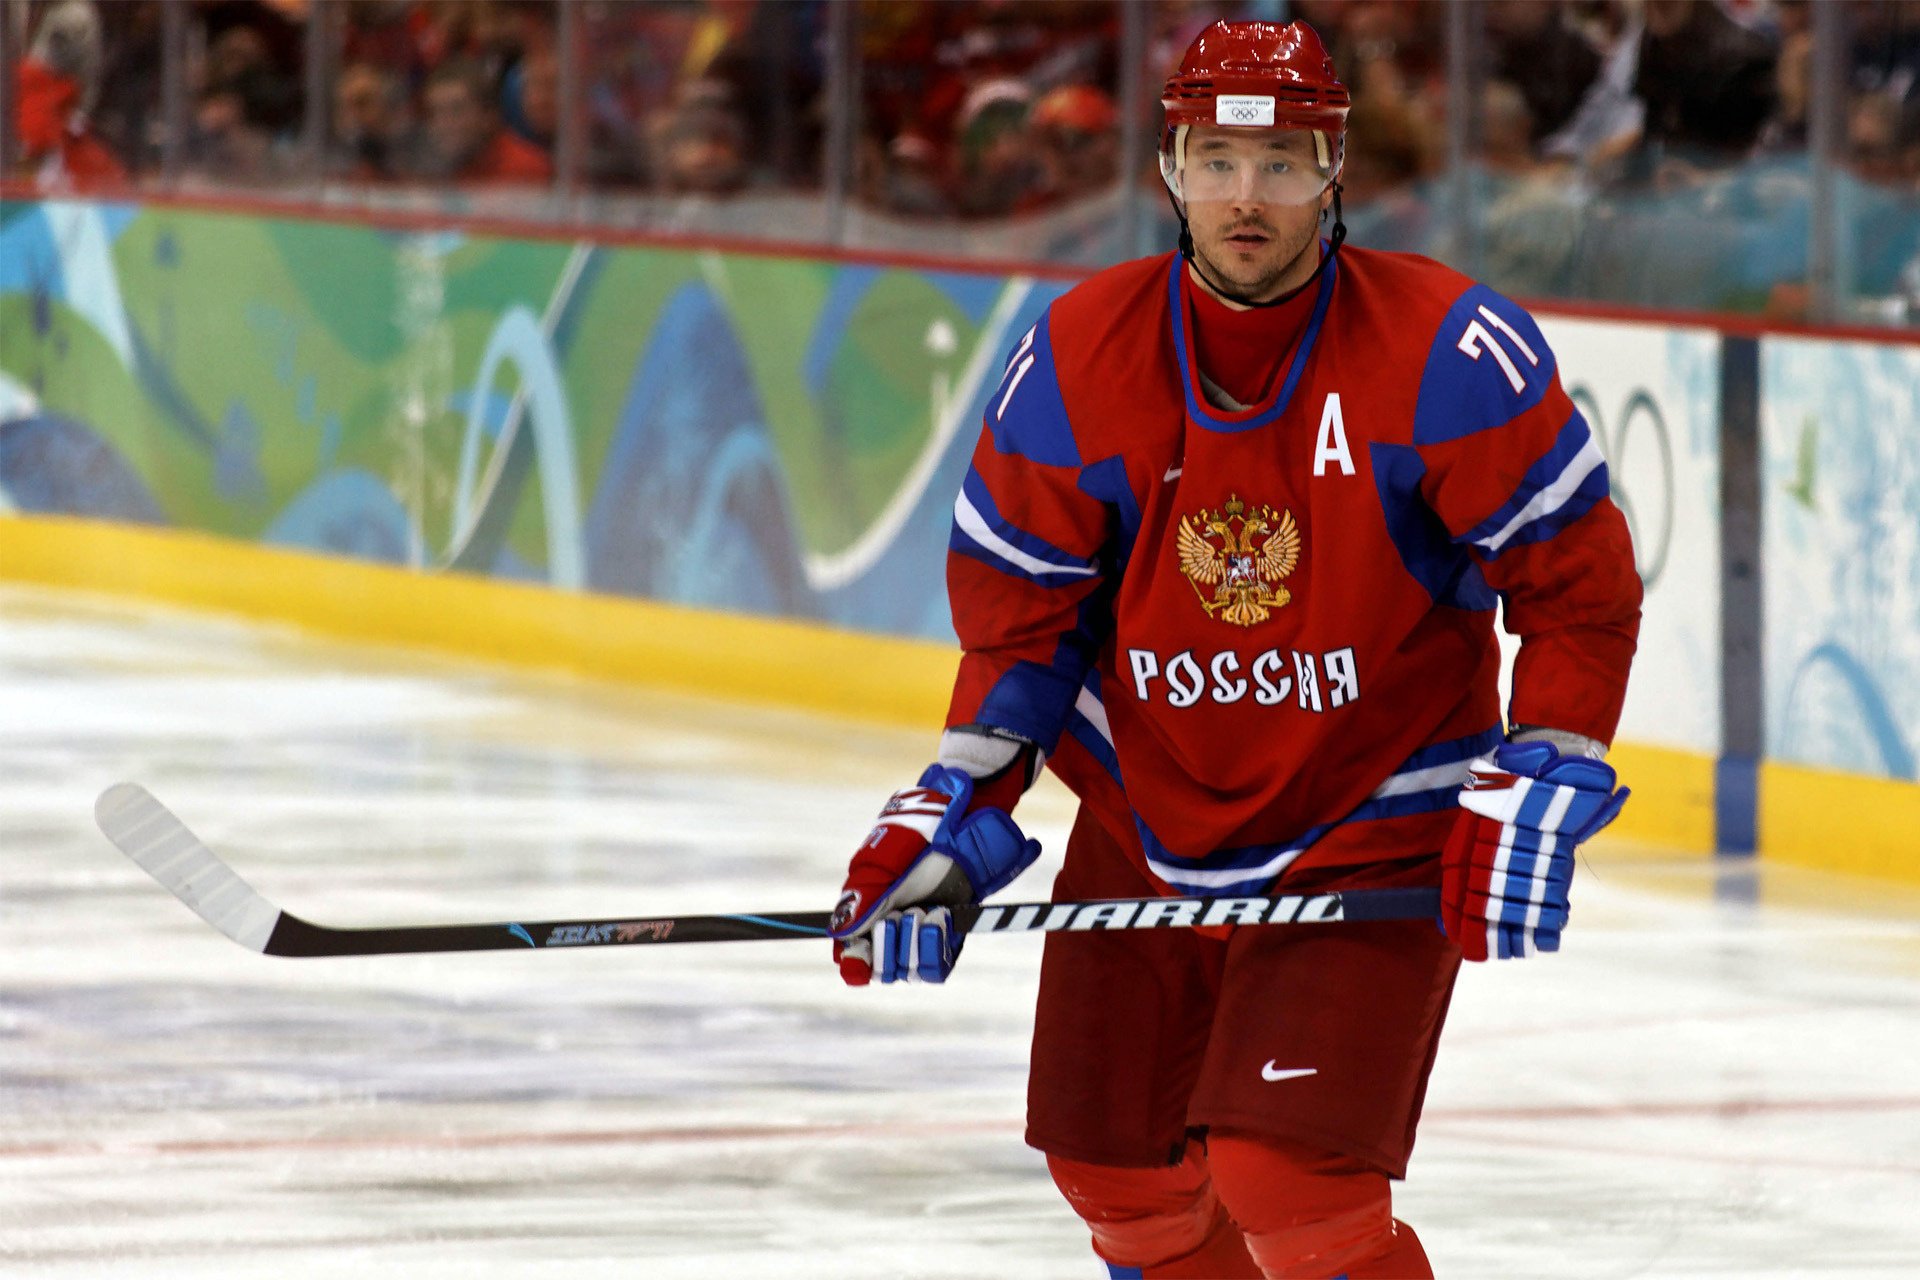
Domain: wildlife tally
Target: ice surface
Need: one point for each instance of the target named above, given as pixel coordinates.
(1716, 1078)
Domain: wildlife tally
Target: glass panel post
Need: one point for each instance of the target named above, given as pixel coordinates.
(1825, 120)
(1465, 29)
(570, 136)
(7, 58)
(843, 100)
(318, 72)
(173, 90)
(1134, 156)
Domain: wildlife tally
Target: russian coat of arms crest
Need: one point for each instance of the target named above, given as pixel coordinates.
(1236, 558)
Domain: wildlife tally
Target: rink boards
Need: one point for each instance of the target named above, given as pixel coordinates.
(732, 471)
(1817, 817)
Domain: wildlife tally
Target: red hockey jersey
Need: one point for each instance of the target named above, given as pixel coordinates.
(1264, 639)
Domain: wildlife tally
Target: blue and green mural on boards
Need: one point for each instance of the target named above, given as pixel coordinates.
(760, 434)
(730, 431)
(1841, 503)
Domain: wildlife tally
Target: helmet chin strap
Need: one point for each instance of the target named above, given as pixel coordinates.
(1335, 239)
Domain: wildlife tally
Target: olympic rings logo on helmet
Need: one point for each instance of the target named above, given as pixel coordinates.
(1244, 110)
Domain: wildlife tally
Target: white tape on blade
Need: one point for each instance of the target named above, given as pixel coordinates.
(143, 829)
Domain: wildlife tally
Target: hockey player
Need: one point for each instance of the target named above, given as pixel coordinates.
(1226, 560)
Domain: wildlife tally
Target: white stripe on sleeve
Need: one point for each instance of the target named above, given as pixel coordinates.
(1551, 498)
(974, 525)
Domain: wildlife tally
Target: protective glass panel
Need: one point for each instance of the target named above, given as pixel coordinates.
(704, 118)
(1656, 161)
(86, 93)
(1877, 257)
(989, 129)
(443, 103)
(245, 99)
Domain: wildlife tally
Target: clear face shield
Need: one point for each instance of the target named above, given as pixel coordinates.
(1251, 166)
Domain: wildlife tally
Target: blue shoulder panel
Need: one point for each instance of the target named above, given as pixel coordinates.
(1026, 414)
(1430, 554)
(1488, 365)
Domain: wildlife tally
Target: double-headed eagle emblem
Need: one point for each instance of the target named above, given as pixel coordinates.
(1242, 555)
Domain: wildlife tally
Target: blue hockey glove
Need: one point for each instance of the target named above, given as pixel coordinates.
(925, 855)
(1508, 862)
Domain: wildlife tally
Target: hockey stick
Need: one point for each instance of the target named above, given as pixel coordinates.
(147, 832)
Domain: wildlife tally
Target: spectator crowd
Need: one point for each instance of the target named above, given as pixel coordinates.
(969, 111)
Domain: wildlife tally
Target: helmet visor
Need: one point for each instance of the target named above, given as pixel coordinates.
(1281, 167)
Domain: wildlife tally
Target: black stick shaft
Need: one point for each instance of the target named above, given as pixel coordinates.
(293, 936)
(155, 839)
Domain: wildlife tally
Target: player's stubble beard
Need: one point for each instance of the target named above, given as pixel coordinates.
(1281, 265)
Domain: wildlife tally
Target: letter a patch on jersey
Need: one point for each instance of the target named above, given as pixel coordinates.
(1236, 559)
(1332, 444)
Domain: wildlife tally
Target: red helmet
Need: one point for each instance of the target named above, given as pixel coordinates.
(1259, 75)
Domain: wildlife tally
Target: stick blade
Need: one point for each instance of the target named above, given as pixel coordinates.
(147, 832)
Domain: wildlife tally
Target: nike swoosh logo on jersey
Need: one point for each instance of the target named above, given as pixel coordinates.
(1173, 473)
(1271, 1072)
